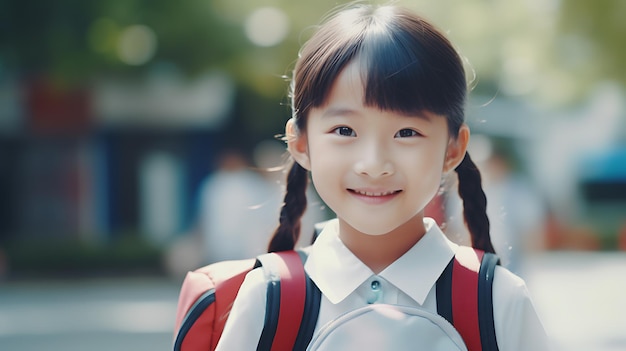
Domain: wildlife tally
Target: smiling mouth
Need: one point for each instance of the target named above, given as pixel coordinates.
(374, 194)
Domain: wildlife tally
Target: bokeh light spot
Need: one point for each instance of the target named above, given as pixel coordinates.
(267, 26)
(137, 45)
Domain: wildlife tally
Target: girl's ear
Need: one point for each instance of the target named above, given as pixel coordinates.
(456, 149)
(297, 145)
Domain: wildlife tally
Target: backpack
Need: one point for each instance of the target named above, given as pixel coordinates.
(207, 295)
(464, 299)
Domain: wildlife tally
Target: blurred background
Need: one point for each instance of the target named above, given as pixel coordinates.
(132, 132)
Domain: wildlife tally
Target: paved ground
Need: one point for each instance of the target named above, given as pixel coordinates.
(582, 299)
(97, 315)
(580, 296)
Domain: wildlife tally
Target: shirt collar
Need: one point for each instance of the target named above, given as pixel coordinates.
(424, 263)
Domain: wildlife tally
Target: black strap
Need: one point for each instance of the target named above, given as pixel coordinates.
(272, 308)
(309, 317)
(485, 302)
(271, 317)
(485, 299)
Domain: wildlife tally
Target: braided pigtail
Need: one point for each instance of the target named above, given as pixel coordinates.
(474, 204)
(294, 205)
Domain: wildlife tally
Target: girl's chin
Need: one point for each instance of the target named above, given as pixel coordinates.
(370, 229)
(376, 227)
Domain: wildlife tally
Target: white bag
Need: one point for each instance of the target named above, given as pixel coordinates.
(383, 327)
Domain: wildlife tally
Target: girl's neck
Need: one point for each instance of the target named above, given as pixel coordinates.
(379, 251)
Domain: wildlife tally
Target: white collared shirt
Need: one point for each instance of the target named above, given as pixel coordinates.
(347, 283)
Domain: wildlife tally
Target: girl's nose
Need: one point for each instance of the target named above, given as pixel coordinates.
(374, 163)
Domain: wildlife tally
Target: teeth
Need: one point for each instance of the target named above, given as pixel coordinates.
(366, 193)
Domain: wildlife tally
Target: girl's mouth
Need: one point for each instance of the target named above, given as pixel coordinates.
(374, 197)
(375, 194)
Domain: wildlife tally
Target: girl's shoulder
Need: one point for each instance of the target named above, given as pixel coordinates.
(247, 315)
(255, 282)
(515, 315)
(506, 283)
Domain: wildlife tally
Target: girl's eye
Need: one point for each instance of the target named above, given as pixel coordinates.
(345, 131)
(406, 133)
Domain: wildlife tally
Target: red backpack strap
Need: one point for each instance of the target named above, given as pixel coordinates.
(464, 297)
(292, 302)
(311, 309)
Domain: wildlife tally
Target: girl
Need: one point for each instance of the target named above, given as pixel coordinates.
(378, 108)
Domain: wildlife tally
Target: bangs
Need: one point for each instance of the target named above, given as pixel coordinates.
(404, 75)
(408, 66)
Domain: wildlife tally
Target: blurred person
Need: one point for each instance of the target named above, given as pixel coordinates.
(239, 205)
(378, 98)
(516, 212)
(236, 215)
(269, 158)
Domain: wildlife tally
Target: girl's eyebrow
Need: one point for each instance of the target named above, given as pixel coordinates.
(422, 115)
(346, 111)
(339, 111)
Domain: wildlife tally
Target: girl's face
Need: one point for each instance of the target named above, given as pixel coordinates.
(375, 169)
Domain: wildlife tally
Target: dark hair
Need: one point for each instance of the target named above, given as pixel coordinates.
(410, 67)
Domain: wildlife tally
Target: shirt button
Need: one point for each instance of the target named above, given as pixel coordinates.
(375, 285)
(376, 293)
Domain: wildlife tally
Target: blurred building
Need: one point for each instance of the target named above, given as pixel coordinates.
(573, 156)
(117, 156)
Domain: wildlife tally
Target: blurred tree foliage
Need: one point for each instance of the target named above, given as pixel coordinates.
(598, 30)
(74, 41)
